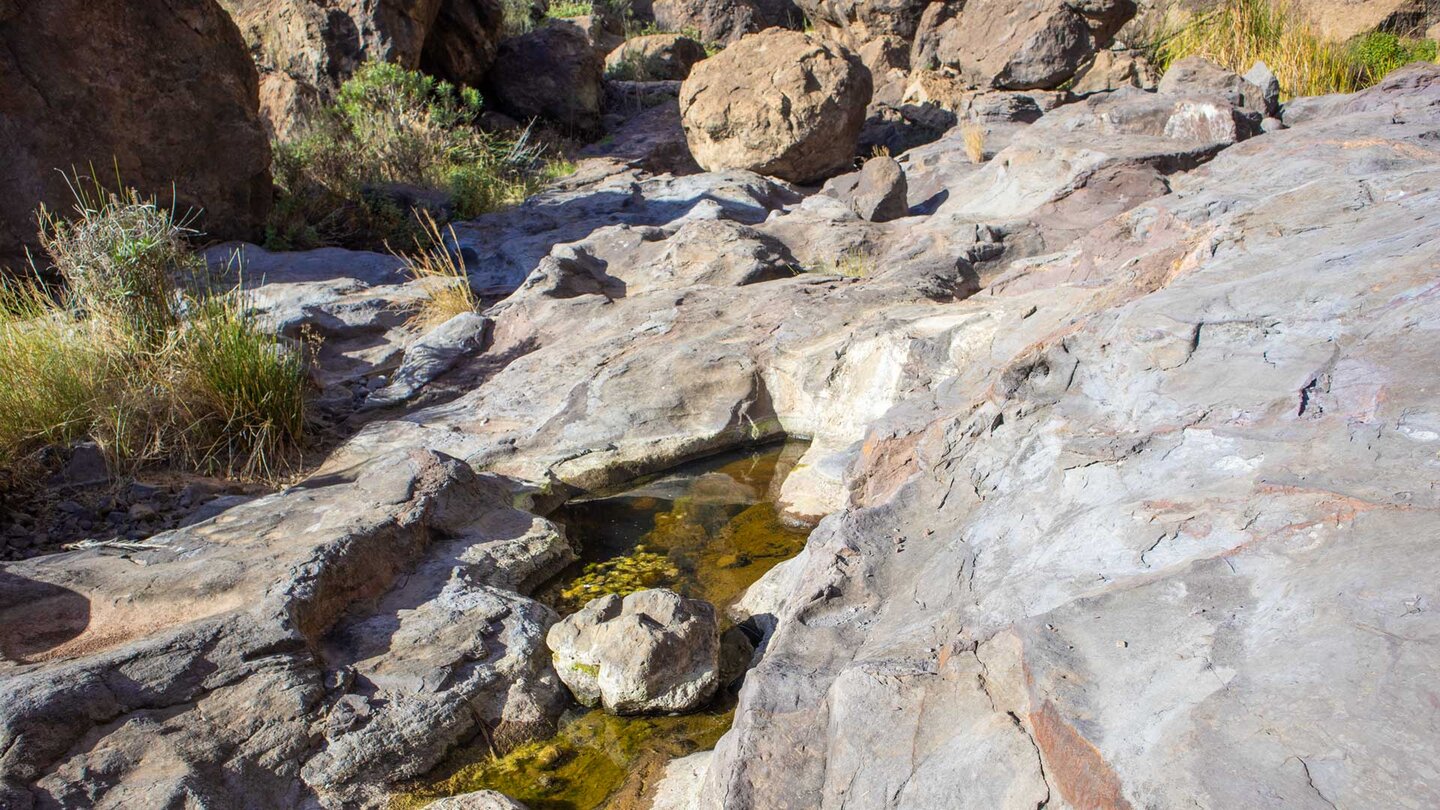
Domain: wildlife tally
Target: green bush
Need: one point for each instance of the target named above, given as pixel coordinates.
(1381, 52)
(140, 353)
(393, 126)
(119, 256)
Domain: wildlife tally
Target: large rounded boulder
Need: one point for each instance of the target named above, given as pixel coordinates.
(780, 103)
(162, 92)
(652, 652)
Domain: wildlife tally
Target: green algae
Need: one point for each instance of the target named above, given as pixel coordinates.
(622, 575)
(709, 534)
(596, 760)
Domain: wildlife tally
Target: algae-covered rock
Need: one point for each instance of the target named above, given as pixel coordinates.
(650, 652)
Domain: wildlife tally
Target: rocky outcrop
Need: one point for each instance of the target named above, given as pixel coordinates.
(652, 652)
(73, 96)
(778, 103)
(725, 21)
(553, 72)
(307, 48)
(1207, 425)
(1030, 44)
(1112, 70)
(1196, 74)
(281, 637)
(1120, 457)
(655, 57)
(858, 23)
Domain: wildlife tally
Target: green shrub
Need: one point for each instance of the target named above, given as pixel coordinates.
(520, 16)
(1381, 52)
(1241, 32)
(570, 8)
(140, 353)
(393, 126)
(119, 256)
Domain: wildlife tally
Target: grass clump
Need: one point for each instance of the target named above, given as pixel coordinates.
(854, 262)
(520, 16)
(139, 353)
(443, 271)
(1241, 32)
(119, 258)
(1381, 52)
(390, 133)
(974, 135)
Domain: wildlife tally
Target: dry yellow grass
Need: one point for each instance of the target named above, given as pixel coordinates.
(852, 263)
(448, 285)
(1241, 32)
(150, 369)
(974, 142)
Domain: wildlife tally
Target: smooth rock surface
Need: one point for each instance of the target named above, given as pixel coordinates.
(1133, 528)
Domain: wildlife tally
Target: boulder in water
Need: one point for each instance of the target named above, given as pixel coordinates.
(652, 652)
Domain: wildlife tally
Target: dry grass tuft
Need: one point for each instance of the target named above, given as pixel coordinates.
(1241, 32)
(854, 262)
(974, 142)
(449, 288)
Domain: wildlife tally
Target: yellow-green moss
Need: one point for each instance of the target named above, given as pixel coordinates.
(593, 761)
(621, 575)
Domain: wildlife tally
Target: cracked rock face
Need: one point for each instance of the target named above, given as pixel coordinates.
(651, 652)
(1164, 536)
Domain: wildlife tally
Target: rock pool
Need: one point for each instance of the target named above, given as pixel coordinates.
(708, 530)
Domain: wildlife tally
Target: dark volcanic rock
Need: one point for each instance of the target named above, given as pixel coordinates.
(553, 72)
(161, 91)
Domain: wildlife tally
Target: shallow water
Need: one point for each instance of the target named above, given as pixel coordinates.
(707, 530)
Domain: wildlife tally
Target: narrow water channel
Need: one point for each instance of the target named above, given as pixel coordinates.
(707, 530)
